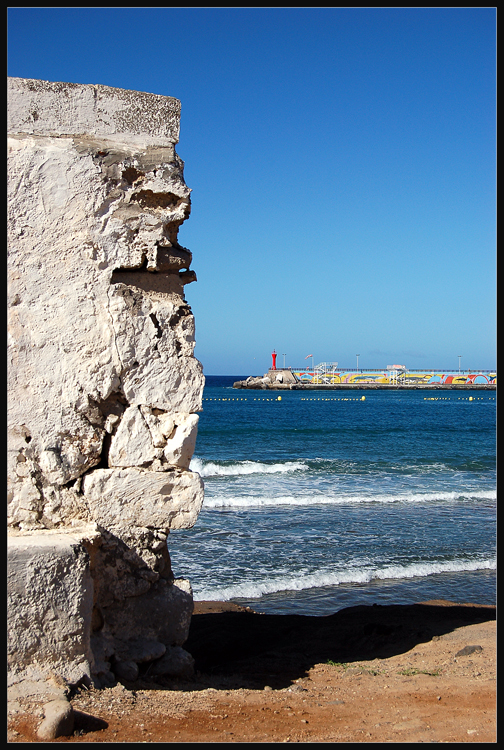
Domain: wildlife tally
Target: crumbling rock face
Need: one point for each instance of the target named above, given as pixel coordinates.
(104, 388)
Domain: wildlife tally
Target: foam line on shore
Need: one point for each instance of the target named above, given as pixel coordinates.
(256, 589)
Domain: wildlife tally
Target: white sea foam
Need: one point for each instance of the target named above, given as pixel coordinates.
(256, 589)
(211, 469)
(224, 501)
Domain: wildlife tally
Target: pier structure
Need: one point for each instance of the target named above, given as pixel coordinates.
(327, 376)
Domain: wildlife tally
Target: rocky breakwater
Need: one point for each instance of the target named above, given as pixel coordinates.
(272, 380)
(103, 385)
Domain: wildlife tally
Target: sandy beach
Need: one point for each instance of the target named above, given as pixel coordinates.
(411, 673)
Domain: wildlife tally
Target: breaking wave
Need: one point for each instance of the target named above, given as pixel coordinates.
(214, 469)
(319, 579)
(223, 501)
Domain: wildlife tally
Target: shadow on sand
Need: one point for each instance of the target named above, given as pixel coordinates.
(255, 650)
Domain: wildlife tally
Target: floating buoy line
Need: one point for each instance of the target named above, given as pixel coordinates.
(459, 398)
(362, 398)
(279, 398)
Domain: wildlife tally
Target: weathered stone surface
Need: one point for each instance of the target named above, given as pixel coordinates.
(95, 327)
(138, 497)
(180, 448)
(254, 382)
(58, 720)
(132, 444)
(47, 107)
(36, 691)
(103, 647)
(103, 385)
(50, 602)
(141, 437)
(140, 650)
(176, 662)
(126, 670)
(149, 620)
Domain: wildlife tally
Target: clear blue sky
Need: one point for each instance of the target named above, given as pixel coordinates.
(343, 168)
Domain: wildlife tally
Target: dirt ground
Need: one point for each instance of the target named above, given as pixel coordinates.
(411, 673)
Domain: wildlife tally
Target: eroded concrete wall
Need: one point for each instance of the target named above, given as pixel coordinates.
(103, 385)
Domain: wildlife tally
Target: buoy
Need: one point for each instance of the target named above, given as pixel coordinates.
(470, 398)
(363, 398)
(279, 398)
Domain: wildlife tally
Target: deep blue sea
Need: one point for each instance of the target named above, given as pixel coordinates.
(321, 500)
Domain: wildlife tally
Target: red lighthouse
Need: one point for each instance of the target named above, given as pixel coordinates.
(274, 359)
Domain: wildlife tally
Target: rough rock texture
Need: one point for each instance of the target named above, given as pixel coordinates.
(258, 382)
(271, 380)
(55, 562)
(58, 720)
(103, 388)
